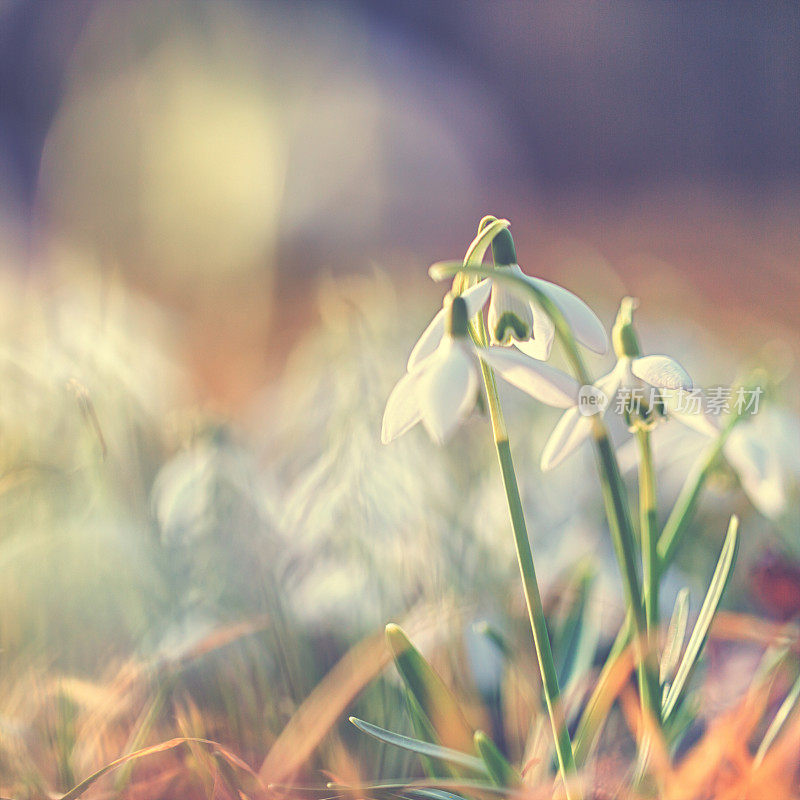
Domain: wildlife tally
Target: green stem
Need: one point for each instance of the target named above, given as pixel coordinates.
(668, 543)
(683, 510)
(613, 488)
(622, 535)
(530, 586)
(648, 526)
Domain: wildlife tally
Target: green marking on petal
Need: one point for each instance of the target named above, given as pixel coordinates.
(508, 326)
(457, 318)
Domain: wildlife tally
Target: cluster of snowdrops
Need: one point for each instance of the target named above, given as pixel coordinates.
(499, 323)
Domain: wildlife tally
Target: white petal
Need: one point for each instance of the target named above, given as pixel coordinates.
(545, 383)
(447, 388)
(759, 471)
(402, 408)
(544, 333)
(611, 381)
(702, 423)
(475, 297)
(536, 348)
(586, 327)
(572, 430)
(427, 343)
(510, 314)
(692, 413)
(661, 371)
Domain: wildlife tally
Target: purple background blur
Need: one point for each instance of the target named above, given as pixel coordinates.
(649, 132)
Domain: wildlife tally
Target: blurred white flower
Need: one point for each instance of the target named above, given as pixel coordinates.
(763, 453)
(440, 389)
(759, 450)
(514, 318)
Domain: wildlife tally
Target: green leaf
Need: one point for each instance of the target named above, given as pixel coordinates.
(789, 705)
(697, 641)
(676, 633)
(682, 513)
(500, 771)
(409, 787)
(434, 700)
(215, 747)
(434, 794)
(427, 749)
(575, 638)
(680, 723)
(495, 636)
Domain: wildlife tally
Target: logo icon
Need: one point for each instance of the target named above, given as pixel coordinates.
(591, 401)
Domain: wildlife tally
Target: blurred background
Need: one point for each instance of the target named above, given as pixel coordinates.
(219, 156)
(215, 224)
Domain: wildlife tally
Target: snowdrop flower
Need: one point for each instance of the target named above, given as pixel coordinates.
(760, 452)
(632, 372)
(514, 318)
(475, 299)
(764, 455)
(440, 389)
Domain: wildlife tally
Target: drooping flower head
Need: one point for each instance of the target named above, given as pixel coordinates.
(441, 386)
(640, 377)
(514, 318)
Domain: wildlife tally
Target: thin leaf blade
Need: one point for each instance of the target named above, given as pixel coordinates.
(716, 589)
(427, 749)
(500, 771)
(432, 696)
(676, 633)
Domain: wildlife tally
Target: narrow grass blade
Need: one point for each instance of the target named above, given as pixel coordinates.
(434, 699)
(500, 771)
(426, 749)
(411, 786)
(575, 639)
(599, 704)
(788, 706)
(681, 722)
(676, 633)
(322, 708)
(694, 648)
(434, 794)
(683, 510)
(495, 636)
(162, 747)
